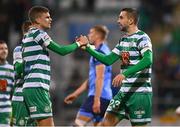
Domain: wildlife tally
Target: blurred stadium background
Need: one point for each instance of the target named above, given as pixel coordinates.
(159, 18)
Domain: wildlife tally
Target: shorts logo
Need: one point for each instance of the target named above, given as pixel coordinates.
(47, 109)
(139, 113)
(21, 122)
(33, 109)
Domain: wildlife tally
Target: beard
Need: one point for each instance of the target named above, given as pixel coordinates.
(124, 28)
(3, 56)
(2, 59)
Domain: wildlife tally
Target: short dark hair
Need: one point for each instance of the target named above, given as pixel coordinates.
(26, 26)
(132, 13)
(36, 12)
(2, 42)
(102, 30)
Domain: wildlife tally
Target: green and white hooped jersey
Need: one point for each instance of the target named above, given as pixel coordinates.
(36, 59)
(131, 49)
(17, 57)
(6, 87)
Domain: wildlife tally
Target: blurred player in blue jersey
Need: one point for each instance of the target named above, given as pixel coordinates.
(98, 83)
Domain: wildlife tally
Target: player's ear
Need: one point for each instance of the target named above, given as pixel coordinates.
(37, 20)
(130, 21)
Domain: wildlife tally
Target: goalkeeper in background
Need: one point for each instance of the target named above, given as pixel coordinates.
(134, 49)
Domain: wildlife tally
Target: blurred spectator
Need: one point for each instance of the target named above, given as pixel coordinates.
(89, 6)
(19, 9)
(75, 5)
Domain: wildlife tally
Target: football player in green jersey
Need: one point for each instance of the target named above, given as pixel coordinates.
(20, 114)
(35, 45)
(6, 85)
(134, 50)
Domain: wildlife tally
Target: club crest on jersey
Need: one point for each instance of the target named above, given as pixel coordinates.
(3, 85)
(125, 58)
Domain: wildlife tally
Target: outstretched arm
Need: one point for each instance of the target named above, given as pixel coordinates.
(43, 39)
(105, 59)
(70, 98)
(82, 88)
(63, 50)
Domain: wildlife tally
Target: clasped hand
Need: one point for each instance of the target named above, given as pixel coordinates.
(83, 40)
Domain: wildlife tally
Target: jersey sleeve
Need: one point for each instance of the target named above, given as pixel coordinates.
(144, 44)
(17, 55)
(116, 49)
(96, 62)
(43, 38)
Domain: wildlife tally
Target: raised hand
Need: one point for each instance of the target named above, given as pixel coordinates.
(83, 40)
(118, 80)
(77, 38)
(70, 98)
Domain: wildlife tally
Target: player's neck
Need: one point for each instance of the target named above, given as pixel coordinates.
(37, 26)
(2, 62)
(132, 30)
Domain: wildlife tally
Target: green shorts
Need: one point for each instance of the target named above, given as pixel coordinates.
(134, 106)
(5, 119)
(20, 115)
(38, 103)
